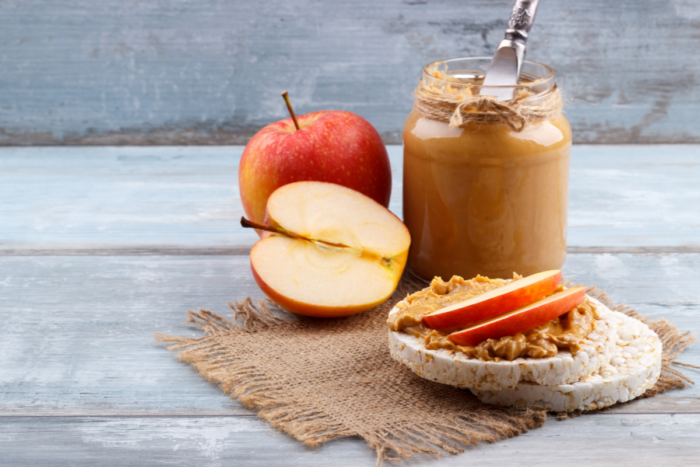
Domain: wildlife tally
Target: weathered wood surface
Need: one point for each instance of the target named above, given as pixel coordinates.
(97, 251)
(187, 198)
(210, 72)
(76, 334)
(601, 440)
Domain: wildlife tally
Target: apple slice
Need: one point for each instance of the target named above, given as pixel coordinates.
(514, 295)
(332, 251)
(522, 319)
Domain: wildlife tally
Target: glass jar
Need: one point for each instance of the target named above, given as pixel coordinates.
(483, 197)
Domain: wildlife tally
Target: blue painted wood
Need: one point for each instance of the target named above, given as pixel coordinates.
(210, 72)
(634, 195)
(600, 440)
(106, 197)
(187, 197)
(83, 383)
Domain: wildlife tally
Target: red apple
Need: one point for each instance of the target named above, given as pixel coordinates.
(329, 146)
(522, 319)
(496, 302)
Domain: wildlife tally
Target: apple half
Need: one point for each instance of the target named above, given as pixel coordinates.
(328, 251)
(514, 295)
(522, 319)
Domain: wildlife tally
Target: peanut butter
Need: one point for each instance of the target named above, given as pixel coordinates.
(482, 198)
(566, 332)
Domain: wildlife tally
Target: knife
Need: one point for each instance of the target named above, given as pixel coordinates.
(510, 54)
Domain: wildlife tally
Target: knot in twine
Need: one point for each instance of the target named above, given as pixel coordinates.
(459, 110)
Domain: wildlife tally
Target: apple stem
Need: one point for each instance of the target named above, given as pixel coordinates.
(285, 95)
(252, 225)
(270, 228)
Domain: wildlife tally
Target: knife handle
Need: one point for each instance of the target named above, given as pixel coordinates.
(521, 19)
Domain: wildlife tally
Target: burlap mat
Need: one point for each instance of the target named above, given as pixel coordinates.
(320, 379)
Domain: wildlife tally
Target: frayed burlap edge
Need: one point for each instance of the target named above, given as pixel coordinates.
(313, 427)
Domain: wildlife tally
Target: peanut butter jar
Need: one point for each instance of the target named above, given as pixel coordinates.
(485, 183)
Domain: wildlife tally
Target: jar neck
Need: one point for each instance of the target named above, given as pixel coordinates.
(461, 78)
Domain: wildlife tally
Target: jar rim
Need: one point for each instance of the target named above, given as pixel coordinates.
(541, 75)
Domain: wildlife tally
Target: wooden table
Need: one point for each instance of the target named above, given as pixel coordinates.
(100, 247)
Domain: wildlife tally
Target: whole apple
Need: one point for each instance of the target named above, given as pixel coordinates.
(329, 146)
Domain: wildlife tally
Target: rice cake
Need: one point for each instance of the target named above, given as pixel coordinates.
(460, 370)
(634, 368)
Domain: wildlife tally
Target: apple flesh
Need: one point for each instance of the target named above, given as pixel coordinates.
(341, 252)
(330, 146)
(522, 319)
(514, 295)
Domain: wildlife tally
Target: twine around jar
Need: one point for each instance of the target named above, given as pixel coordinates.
(459, 109)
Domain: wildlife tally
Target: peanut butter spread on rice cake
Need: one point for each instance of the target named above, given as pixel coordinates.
(564, 333)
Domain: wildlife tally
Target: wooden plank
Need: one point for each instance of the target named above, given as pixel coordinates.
(76, 332)
(601, 440)
(634, 196)
(116, 72)
(141, 251)
(245, 250)
(126, 198)
(117, 197)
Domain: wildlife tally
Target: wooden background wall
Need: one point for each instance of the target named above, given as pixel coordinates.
(210, 71)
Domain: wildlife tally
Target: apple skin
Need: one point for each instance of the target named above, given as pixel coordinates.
(522, 319)
(316, 311)
(331, 146)
(477, 309)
